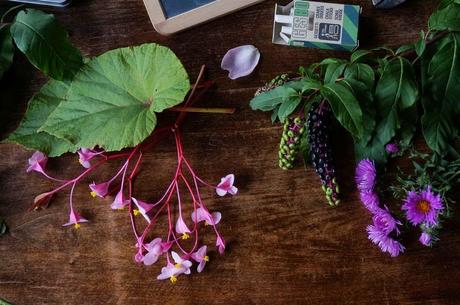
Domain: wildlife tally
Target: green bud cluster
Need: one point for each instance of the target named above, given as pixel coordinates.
(293, 130)
(277, 81)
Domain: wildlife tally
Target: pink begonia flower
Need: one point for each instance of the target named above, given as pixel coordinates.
(203, 215)
(75, 219)
(119, 203)
(240, 61)
(37, 162)
(201, 258)
(182, 228)
(226, 186)
(143, 208)
(181, 263)
(85, 155)
(220, 244)
(154, 251)
(100, 190)
(170, 272)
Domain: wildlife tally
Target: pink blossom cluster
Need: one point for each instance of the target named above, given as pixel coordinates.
(180, 226)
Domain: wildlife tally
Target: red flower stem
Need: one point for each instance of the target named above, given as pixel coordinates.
(181, 116)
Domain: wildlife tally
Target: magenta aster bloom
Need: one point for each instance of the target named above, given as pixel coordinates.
(423, 207)
(392, 148)
(366, 175)
(384, 241)
(370, 200)
(385, 222)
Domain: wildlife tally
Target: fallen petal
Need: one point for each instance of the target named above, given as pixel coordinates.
(240, 61)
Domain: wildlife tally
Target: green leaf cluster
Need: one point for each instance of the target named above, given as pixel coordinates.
(109, 101)
(382, 95)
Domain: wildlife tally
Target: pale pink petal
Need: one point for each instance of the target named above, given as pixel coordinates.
(216, 217)
(119, 202)
(240, 61)
(221, 192)
(150, 258)
(100, 190)
(176, 257)
(181, 227)
(201, 266)
(233, 190)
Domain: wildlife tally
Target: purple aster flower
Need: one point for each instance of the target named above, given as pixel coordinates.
(365, 175)
(425, 239)
(392, 148)
(385, 222)
(423, 207)
(370, 200)
(384, 241)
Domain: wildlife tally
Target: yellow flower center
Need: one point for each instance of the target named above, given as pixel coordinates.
(136, 212)
(206, 258)
(206, 223)
(178, 266)
(173, 279)
(185, 236)
(77, 225)
(423, 206)
(93, 194)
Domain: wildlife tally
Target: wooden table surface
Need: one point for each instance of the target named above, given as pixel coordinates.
(285, 245)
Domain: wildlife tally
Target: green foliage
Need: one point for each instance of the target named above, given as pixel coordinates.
(113, 99)
(446, 18)
(377, 94)
(40, 107)
(46, 44)
(6, 49)
(441, 98)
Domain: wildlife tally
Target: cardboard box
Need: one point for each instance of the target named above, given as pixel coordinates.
(314, 24)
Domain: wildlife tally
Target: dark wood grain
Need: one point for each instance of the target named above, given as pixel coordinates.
(285, 245)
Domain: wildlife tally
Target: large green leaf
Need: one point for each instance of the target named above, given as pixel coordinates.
(269, 100)
(288, 106)
(345, 106)
(361, 72)
(366, 99)
(46, 44)
(446, 18)
(113, 99)
(396, 89)
(441, 100)
(40, 107)
(6, 49)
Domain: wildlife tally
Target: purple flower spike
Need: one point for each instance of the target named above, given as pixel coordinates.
(240, 61)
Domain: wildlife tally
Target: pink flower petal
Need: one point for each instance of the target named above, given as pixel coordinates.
(240, 61)
(181, 227)
(37, 162)
(201, 266)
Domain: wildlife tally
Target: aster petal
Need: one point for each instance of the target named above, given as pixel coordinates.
(240, 61)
